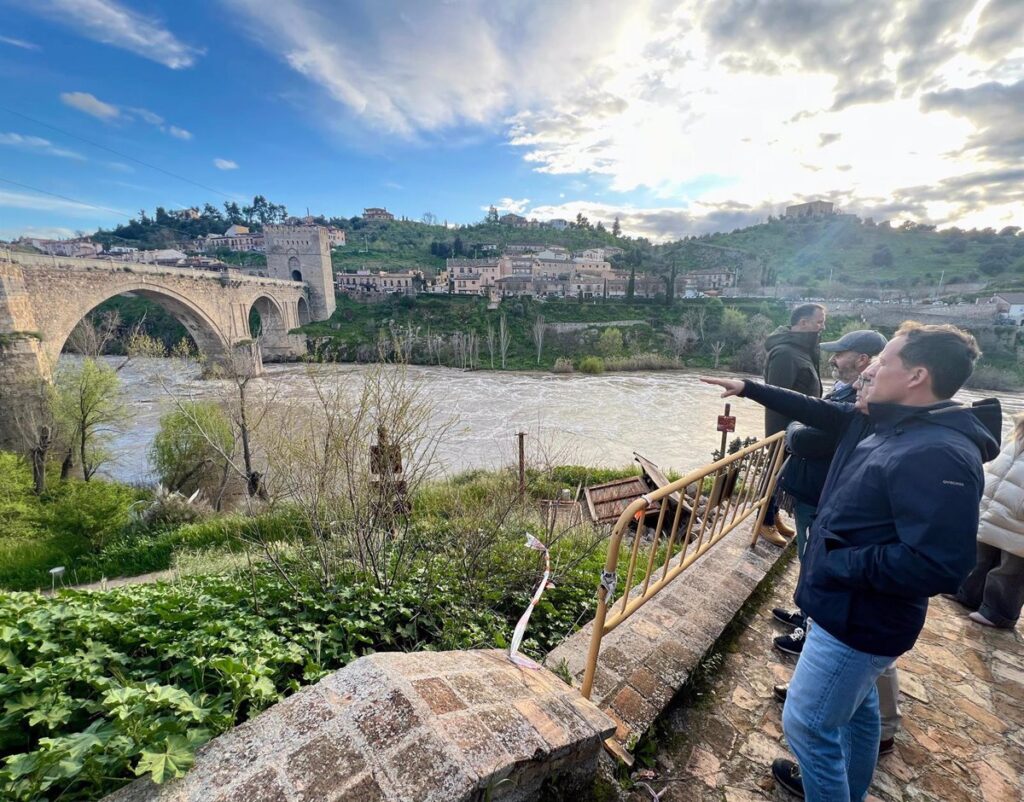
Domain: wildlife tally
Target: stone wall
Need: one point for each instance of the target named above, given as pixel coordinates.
(427, 726)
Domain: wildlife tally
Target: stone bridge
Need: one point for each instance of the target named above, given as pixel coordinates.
(43, 298)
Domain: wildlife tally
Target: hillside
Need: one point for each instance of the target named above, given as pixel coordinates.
(860, 255)
(826, 256)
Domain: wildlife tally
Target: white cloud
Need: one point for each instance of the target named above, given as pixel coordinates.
(43, 232)
(509, 205)
(8, 40)
(111, 23)
(225, 164)
(108, 112)
(44, 203)
(90, 104)
(725, 102)
(36, 144)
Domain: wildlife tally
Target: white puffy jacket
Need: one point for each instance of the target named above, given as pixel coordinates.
(1001, 523)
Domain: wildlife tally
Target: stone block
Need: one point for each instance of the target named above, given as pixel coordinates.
(321, 768)
(263, 786)
(438, 695)
(427, 773)
(481, 752)
(387, 721)
(513, 732)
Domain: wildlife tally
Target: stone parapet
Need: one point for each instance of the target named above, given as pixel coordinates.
(424, 726)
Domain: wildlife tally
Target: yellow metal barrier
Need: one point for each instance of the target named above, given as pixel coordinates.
(724, 494)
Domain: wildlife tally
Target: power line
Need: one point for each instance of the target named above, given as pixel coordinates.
(118, 212)
(116, 152)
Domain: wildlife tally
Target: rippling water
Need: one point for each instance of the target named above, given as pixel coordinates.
(668, 417)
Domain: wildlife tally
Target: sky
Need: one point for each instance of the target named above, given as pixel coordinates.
(678, 117)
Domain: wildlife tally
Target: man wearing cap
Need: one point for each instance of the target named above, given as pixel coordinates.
(802, 480)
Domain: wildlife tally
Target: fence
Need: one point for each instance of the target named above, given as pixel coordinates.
(705, 506)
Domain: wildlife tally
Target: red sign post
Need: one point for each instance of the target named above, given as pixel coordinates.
(726, 424)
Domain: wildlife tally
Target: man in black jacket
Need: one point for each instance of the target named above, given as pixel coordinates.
(896, 526)
(811, 450)
(791, 362)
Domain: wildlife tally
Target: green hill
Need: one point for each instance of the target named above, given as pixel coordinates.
(860, 255)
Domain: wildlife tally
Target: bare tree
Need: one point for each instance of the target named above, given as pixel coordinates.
(504, 338)
(490, 342)
(716, 350)
(349, 467)
(538, 336)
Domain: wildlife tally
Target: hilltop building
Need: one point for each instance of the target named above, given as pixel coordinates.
(407, 282)
(377, 213)
(811, 209)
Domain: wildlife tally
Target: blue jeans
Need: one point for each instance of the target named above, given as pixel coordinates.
(803, 515)
(831, 718)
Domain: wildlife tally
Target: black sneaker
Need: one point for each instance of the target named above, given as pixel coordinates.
(793, 643)
(780, 692)
(787, 774)
(791, 618)
(886, 745)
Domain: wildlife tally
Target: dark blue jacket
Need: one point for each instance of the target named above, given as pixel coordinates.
(898, 516)
(811, 450)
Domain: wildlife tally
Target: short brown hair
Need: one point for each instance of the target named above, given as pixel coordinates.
(803, 312)
(947, 352)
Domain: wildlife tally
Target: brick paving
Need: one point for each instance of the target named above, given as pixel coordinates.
(962, 702)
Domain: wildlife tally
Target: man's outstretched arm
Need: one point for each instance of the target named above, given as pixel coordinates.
(828, 416)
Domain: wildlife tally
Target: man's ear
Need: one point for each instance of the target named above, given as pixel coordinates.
(919, 377)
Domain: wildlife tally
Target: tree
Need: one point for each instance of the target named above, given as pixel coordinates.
(89, 406)
(882, 256)
(190, 442)
(616, 228)
(429, 218)
(733, 328)
(631, 285)
(504, 338)
(538, 335)
(610, 342)
(716, 351)
(492, 215)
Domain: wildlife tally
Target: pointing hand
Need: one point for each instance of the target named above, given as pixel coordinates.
(730, 386)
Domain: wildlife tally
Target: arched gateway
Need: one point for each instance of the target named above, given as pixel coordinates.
(43, 298)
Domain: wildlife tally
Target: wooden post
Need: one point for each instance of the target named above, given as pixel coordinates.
(724, 433)
(522, 468)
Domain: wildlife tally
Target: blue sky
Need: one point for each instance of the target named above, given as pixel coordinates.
(679, 117)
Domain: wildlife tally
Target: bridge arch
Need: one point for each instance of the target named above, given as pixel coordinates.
(266, 318)
(302, 309)
(207, 335)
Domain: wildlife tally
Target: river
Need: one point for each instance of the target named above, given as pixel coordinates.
(669, 417)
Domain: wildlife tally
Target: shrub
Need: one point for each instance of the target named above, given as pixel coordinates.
(188, 452)
(91, 511)
(592, 365)
(562, 365)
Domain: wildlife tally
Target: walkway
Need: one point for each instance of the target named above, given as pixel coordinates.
(963, 717)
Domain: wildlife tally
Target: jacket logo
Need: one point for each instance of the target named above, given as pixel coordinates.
(951, 482)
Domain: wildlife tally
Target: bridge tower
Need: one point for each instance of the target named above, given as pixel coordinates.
(302, 253)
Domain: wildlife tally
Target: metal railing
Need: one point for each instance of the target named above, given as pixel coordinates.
(703, 507)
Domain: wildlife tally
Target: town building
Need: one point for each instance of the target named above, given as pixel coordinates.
(377, 213)
(558, 224)
(335, 237)
(555, 253)
(186, 214)
(237, 238)
(81, 247)
(408, 282)
(710, 279)
(1011, 305)
(811, 209)
(514, 220)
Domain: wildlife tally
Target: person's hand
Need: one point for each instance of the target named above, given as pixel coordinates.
(730, 386)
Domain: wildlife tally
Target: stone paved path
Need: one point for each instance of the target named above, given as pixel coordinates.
(962, 704)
